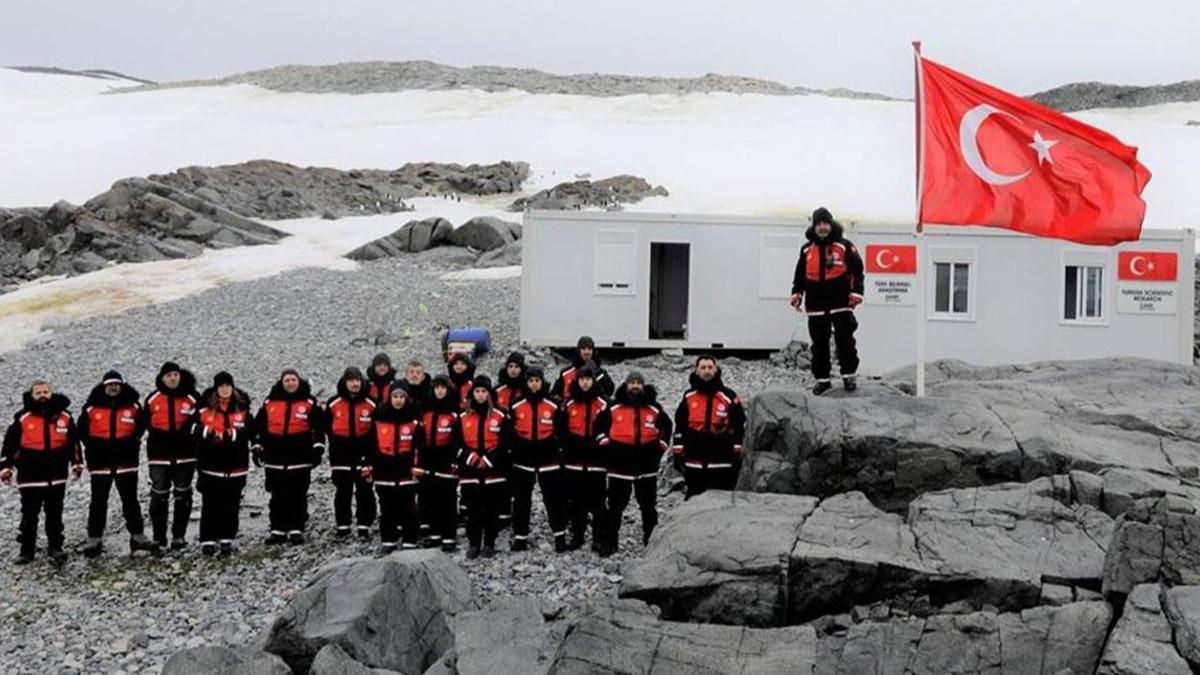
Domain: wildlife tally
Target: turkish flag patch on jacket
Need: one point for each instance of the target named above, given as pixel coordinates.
(1147, 266)
(891, 259)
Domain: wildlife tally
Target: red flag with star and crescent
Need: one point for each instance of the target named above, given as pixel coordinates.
(988, 157)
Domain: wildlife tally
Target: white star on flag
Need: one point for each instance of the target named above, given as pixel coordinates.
(1042, 146)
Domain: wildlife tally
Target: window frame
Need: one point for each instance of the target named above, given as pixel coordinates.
(1081, 258)
(963, 255)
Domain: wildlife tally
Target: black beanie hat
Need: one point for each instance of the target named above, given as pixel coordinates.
(401, 386)
(352, 373)
(822, 215)
(481, 381)
(635, 376)
(535, 371)
(517, 358)
(585, 341)
(440, 379)
(460, 356)
(112, 377)
(222, 378)
(381, 357)
(588, 370)
(170, 367)
(289, 371)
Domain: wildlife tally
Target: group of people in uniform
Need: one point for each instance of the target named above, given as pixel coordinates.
(406, 449)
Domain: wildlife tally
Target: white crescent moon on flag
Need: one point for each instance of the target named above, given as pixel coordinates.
(1133, 266)
(968, 131)
(879, 259)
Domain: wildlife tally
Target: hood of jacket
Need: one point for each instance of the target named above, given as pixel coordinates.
(649, 396)
(343, 392)
(239, 402)
(715, 384)
(187, 384)
(578, 394)
(54, 405)
(380, 380)
(467, 375)
(128, 396)
(835, 233)
(304, 391)
(388, 413)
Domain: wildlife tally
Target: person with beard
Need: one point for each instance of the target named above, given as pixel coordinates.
(418, 381)
(510, 381)
(39, 446)
(585, 351)
(484, 438)
(585, 470)
(633, 433)
(289, 445)
(438, 473)
(461, 371)
(223, 431)
(398, 442)
(380, 377)
(171, 451)
(709, 425)
(110, 428)
(348, 419)
(829, 273)
(536, 458)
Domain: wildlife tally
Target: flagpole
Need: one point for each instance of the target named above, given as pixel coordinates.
(920, 234)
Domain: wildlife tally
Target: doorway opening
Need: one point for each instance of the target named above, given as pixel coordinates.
(669, 272)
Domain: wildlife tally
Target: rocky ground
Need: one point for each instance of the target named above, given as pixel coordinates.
(383, 76)
(129, 614)
(1088, 95)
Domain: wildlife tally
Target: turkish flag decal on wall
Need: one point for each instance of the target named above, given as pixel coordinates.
(891, 259)
(1147, 266)
(989, 157)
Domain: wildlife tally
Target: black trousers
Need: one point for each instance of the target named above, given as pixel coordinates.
(398, 513)
(484, 502)
(170, 483)
(553, 498)
(222, 499)
(34, 500)
(350, 488)
(288, 508)
(842, 326)
(438, 505)
(646, 492)
(98, 508)
(585, 492)
(700, 480)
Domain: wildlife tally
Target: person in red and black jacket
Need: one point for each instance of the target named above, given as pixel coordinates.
(420, 386)
(289, 445)
(829, 282)
(536, 457)
(510, 381)
(171, 451)
(585, 352)
(348, 419)
(709, 425)
(110, 429)
(484, 437)
(438, 473)
(380, 377)
(633, 432)
(585, 470)
(461, 371)
(223, 431)
(41, 447)
(392, 468)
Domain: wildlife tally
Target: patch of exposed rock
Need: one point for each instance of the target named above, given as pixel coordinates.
(1089, 95)
(607, 193)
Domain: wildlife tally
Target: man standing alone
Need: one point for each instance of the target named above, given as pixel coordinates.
(830, 273)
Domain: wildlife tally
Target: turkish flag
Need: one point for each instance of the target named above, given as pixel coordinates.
(1147, 266)
(891, 259)
(989, 157)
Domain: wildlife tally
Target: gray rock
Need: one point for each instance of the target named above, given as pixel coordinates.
(448, 256)
(224, 661)
(626, 637)
(392, 612)
(1141, 641)
(1182, 605)
(509, 637)
(1153, 541)
(509, 254)
(485, 233)
(415, 236)
(333, 660)
(609, 193)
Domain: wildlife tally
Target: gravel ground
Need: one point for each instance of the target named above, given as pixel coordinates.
(128, 614)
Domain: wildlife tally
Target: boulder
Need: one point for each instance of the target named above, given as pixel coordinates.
(333, 660)
(508, 637)
(608, 193)
(507, 255)
(224, 661)
(1141, 641)
(627, 637)
(415, 236)
(1135, 419)
(1182, 605)
(485, 233)
(449, 256)
(1155, 540)
(393, 612)
(764, 559)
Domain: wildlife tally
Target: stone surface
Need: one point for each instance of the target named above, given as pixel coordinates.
(609, 193)
(508, 637)
(393, 612)
(1182, 605)
(485, 233)
(333, 660)
(1141, 641)
(1156, 539)
(509, 254)
(415, 236)
(224, 661)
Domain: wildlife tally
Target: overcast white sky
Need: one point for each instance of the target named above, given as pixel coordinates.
(1020, 45)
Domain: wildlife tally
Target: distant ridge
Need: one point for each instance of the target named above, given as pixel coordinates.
(94, 73)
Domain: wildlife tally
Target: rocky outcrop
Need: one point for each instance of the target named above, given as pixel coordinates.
(505, 256)
(499, 239)
(137, 220)
(769, 560)
(1141, 641)
(1182, 605)
(415, 236)
(274, 190)
(333, 660)
(1156, 540)
(514, 636)
(608, 193)
(485, 233)
(1089, 95)
(1133, 423)
(224, 661)
(394, 612)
